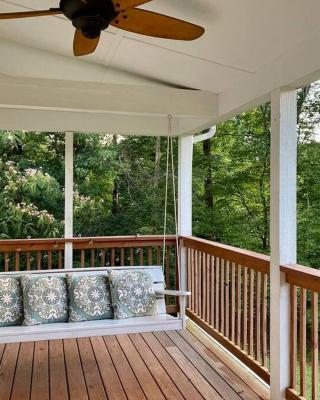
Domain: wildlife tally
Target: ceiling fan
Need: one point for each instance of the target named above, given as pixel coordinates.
(91, 17)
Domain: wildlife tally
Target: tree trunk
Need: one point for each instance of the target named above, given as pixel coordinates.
(208, 196)
(157, 162)
(115, 191)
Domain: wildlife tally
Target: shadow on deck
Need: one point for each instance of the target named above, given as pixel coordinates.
(166, 365)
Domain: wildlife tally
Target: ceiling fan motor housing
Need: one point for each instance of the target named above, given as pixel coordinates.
(90, 16)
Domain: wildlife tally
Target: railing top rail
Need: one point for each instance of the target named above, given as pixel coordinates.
(305, 277)
(83, 242)
(251, 259)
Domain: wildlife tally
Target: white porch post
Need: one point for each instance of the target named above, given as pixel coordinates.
(184, 199)
(282, 231)
(68, 199)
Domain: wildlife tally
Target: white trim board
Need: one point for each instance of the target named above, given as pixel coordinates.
(65, 330)
(58, 106)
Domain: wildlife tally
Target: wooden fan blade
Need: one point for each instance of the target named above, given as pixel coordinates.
(121, 5)
(82, 45)
(157, 25)
(28, 14)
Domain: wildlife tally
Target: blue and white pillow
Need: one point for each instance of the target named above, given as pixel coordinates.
(132, 293)
(11, 306)
(45, 299)
(89, 297)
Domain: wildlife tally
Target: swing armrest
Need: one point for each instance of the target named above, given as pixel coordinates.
(176, 293)
(182, 294)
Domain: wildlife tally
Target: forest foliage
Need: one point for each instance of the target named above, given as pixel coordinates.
(119, 183)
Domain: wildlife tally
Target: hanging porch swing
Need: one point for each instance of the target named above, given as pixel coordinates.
(91, 301)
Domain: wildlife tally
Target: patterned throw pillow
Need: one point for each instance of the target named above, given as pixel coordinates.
(132, 293)
(11, 308)
(89, 297)
(45, 299)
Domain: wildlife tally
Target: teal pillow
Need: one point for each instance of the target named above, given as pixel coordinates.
(11, 308)
(45, 299)
(132, 293)
(89, 297)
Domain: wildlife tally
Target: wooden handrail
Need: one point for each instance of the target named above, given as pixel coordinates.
(305, 277)
(21, 245)
(251, 259)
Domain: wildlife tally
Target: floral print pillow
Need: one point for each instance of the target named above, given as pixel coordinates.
(89, 297)
(132, 293)
(45, 299)
(11, 308)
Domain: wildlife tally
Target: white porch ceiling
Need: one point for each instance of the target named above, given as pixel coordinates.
(251, 46)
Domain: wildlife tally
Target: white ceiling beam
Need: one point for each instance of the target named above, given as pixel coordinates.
(87, 97)
(54, 105)
(112, 123)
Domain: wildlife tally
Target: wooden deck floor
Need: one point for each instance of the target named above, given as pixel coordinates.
(168, 365)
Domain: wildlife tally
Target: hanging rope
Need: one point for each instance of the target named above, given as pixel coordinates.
(170, 152)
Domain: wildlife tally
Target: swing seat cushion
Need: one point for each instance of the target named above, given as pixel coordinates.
(132, 293)
(11, 306)
(45, 299)
(89, 297)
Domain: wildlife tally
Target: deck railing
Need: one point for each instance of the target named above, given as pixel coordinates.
(304, 342)
(230, 299)
(230, 293)
(31, 254)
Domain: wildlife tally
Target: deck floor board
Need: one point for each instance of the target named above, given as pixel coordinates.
(173, 365)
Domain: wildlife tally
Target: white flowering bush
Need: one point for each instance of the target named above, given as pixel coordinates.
(24, 197)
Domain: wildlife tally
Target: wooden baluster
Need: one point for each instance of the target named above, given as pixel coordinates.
(122, 262)
(293, 338)
(217, 293)
(258, 316)
(49, 259)
(193, 274)
(200, 283)
(196, 283)
(222, 296)
(227, 289)
(149, 255)
(38, 257)
(28, 261)
(251, 303)
(176, 269)
(211, 265)
(189, 301)
(167, 267)
(113, 257)
(6, 262)
(92, 258)
(208, 292)
(203, 286)
(315, 345)
(141, 256)
(238, 296)
(17, 261)
(245, 309)
(233, 301)
(158, 255)
(303, 347)
(132, 257)
(264, 319)
(59, 259)
(103, 257)
(82, 258)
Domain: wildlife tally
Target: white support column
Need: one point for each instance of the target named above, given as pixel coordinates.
(184, 199)
(282, 231)
(68, 199)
